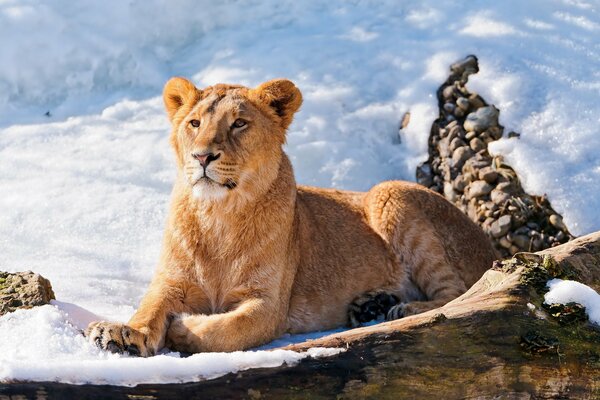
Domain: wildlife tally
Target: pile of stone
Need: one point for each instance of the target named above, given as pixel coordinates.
(23, 290)
(481, 185)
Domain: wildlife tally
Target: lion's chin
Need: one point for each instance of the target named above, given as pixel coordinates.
(206, 189)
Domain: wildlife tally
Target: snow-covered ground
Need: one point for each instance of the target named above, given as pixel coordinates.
(84, 191)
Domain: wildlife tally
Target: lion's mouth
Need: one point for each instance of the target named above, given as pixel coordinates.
(229, 183)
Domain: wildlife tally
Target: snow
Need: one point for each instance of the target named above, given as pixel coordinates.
(564, 292)
(46, 346)
(84, 191)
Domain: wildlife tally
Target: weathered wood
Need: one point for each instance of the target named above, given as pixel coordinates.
(486, 344)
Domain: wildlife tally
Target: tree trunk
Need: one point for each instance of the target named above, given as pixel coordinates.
(489, 343)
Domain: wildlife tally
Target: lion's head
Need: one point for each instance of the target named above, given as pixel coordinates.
(228, 139)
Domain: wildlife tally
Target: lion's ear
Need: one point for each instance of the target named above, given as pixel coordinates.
(177, 92)
(282, 96)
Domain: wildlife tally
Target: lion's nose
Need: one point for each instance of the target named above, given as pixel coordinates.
(206, 158)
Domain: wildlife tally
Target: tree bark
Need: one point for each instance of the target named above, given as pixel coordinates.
(489, 343)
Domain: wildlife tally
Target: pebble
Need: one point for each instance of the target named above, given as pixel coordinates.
(470, 135)
(449, 107)
(522, 241)
(461, 155)
(463, 103)
(460, 183)
(495, 132)
(558, 223)
(476, 145)
(459, 112)
(501, 226)
(449, 192)
(498, 196)
(456, 143)
(476, 101)
(478, 189)
(504, 242)
(482, 119)
(448, 92)
(488, 174)
(560, 236)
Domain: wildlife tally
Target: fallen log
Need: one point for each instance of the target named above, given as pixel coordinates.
(495, 341)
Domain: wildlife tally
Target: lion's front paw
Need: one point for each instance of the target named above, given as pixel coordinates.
(118, 338)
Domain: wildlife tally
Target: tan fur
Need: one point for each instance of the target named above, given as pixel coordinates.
(241, 265)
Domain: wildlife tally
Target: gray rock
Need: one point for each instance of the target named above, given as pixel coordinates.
(478, 189)
(501, 226)
(521, 241)
(463, 103)
(23, 290)
(476, 145)
(461, 155)
(482, 119)
(424, 175)
(449, 107)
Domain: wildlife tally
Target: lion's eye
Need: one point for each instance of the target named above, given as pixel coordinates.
(195, 123)
(238, 123)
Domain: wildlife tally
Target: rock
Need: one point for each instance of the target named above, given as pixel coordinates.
(482, 119)
(521, 241)
(23, 290)
(456, 143)
(461, 155)
(449, 192)
(448, 93)
(449, 107)
(460, 183)
(488, 174)
(478, 189)
(463, 103)
(495, 132)
(506, 187)
(424, 175)
(476, 145)
(462, 69)
(459, 112)
(504, 242)
(470, 135)
(501, 226)
(558, 223)
(476, 101)
(513, 134)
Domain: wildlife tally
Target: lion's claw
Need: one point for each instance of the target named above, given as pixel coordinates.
(118, 338)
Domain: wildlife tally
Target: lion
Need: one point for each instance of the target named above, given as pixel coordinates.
(249, 255)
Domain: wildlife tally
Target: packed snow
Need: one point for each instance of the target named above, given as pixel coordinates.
(49, 347)
(85, 166)
(564, 292)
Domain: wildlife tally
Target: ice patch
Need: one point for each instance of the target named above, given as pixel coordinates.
(564, 292)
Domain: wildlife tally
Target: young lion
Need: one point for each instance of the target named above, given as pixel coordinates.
(248, 255)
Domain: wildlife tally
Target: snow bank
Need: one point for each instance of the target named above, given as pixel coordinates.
(43, 345)
(564, 292)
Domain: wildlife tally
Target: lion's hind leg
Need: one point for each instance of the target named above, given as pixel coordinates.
(369, 307)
